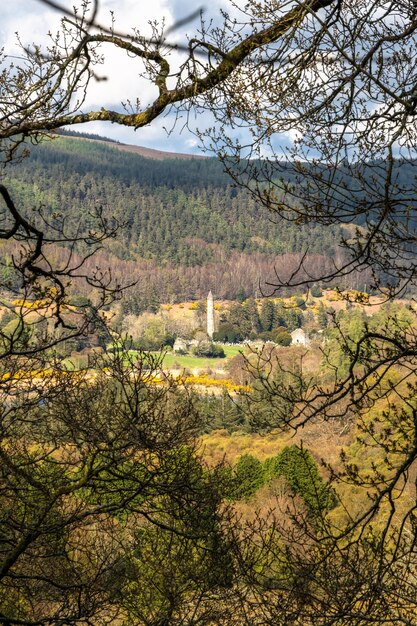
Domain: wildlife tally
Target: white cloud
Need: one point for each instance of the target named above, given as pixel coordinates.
(33, 20)
(30, 19)
(191, 143)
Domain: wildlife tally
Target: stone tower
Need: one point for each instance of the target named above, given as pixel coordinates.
(210, 315)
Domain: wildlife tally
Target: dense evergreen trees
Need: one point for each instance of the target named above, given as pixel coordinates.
(181, 230)
(296, 466)
(170, 212)
(273, 321)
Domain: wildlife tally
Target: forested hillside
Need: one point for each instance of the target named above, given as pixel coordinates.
(177, 218)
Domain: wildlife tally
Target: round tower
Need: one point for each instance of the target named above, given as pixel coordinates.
(210, 315)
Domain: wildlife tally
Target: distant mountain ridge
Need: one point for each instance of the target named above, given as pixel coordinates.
(148, 153)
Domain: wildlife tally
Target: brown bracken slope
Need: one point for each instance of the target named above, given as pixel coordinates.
(149, 153)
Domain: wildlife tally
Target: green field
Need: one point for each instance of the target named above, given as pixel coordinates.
(171, 360)
(188, 361)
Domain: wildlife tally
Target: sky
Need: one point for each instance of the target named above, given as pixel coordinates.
(32, 20)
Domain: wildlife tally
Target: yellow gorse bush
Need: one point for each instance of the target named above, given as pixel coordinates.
(206, 381)
(37, 304)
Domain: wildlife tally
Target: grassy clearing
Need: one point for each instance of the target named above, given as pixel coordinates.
(188, 361)
(170, 360)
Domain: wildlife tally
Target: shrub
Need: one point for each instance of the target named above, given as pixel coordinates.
(227, 333)
(208, 349)
(300, 469)
(316, 291)
(282, 336)
(299, 302)
(248, 477)
(278, 335)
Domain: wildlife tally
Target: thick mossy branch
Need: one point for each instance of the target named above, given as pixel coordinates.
(195, 85)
